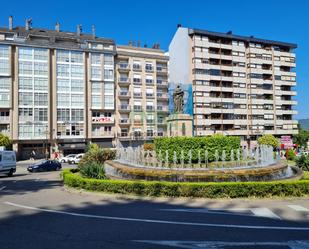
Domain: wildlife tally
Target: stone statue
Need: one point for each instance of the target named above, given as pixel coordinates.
(178, 99)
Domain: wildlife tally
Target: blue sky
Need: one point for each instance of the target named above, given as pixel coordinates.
(155, 21)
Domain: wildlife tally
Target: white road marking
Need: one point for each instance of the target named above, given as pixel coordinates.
(295, 244)
(208, 211)
(159, 221)
(2, 188)
(298, 208)
(264, 212)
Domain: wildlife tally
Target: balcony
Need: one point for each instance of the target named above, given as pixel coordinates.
(137, 81)
(124, 136)
(4, 119)
(124, 108)
(124, 121)
(161, 108)
(162, 83)
(107, 134)
(124, 94)
(162, 96)
(137, 67)
(123, 81)
(149, 95)
(149, 69)
(137, 108)
(149, 82)
(162, 70)
(123, 67)
(150, 108)
(137, 95)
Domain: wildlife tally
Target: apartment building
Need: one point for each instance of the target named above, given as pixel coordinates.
(56, 89)
(142, 94)
(242, 86)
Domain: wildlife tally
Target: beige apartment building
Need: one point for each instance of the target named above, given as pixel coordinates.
(141, 94)
(242, 86)
(56, 89)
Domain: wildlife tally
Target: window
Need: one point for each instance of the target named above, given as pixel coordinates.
(149, 66)
(63, 56)
(149, 79)
(63, 85)
(40, 54)
(108, 74)
(63, 115)
(63, 99)
(4, 51)
(77, 85)
(95, 59)
(96, 87)
(40, 84)
(96, 72)
(77, 115)
(77, 71)
(96, 101)
(109, 102)
(4, 99)
(40, 115)
(40, 99)
(108, 59)
(25, 67)
(5, 84)
(25, 114)
(76, 57)
(40, 68)
(25, 53)
(63, 70)
(25, 98)
(77, 100)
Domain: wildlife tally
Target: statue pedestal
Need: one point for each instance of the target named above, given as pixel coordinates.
(179, 125)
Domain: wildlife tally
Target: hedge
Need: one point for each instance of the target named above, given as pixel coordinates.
(195, 144)
(205, 190)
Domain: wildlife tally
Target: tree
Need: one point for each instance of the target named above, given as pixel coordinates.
(301, 138)
(4, 140)
(269, 139)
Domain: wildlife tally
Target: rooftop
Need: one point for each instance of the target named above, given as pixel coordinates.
(229, 35)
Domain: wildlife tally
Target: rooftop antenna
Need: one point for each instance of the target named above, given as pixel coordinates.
(93, 31)
(10, 22)
(57, 27)
(78, 29)
(28, 23)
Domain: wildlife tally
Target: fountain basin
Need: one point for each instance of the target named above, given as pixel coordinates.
(278, 171)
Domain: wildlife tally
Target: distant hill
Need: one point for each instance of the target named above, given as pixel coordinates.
(304, 123)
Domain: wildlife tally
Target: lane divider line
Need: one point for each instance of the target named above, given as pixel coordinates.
(298, 208)
(159, 221)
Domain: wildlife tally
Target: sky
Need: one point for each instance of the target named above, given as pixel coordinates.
(156, 21)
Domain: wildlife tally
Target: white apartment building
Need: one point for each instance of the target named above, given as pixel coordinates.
(242, 85)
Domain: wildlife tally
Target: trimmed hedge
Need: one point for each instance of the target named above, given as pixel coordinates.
(210, 143)
(205, 190)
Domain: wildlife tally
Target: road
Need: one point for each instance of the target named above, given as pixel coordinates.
(36, 211)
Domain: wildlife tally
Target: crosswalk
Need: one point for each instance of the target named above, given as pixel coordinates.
(248, 211)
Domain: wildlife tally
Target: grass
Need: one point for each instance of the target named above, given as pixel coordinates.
(306, 175)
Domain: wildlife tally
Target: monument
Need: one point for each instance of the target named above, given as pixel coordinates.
(179, 123)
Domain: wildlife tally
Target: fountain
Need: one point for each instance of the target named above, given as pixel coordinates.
(247, 164)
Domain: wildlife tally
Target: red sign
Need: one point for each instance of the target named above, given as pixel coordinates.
(103, 119)
(286, 142)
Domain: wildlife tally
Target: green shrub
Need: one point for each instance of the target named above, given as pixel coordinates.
(303, 162)
(290, 155)
(306, 175)
(176, 189)
(92, 170)
(98, 155)
(269, 139)
(4, 140)
(195, 144)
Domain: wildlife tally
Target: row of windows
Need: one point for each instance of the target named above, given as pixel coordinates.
(30, 99)
(70, 115)
(27, 53)
(33, 114)
(32, 130)
(34, 84)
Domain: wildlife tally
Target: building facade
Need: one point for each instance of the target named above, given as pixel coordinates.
(142, 94)
(242, 86)
(56, 89)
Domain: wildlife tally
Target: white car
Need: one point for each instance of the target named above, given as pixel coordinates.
(7, 162)
(67, 158)
(76, 159)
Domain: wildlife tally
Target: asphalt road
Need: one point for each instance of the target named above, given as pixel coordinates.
(36, 211)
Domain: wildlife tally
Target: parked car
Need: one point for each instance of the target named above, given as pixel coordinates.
(45, 165)
(76, 159)
(66, 159)
(7, 162)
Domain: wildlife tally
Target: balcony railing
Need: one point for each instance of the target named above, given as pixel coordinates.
(137, 67)
(124, 107)
(161, 83)
(162, 108)
(150, 108)
(162, 95)
(123, 80)
(137, 108)
(124, 94)
(137, 81)
(123, 66)
(103, 133)
(124, 121)
(137, 94)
